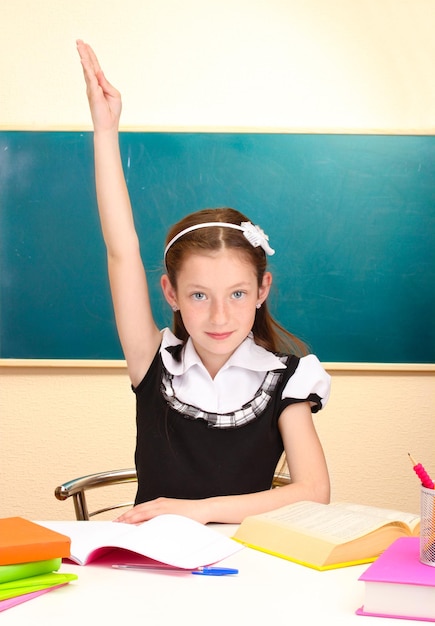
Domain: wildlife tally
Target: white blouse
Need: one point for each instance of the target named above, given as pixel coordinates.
(239, 378)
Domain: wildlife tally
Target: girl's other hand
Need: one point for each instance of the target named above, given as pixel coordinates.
(104, 99)
(195, 509)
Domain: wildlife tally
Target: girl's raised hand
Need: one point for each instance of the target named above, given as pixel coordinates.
(104, 99)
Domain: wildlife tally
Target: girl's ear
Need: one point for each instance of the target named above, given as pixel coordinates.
(168, 290)
(264, 289)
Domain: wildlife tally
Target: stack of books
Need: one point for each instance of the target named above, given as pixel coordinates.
(30, 556)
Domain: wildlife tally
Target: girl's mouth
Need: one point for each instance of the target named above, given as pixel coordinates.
(219, 336)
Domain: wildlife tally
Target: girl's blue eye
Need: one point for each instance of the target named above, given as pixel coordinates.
(238, 294)
(198, 296)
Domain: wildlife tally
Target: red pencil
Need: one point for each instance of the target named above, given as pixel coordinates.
(426, 480)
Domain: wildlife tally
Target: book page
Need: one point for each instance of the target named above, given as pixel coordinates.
(171, 539)
(336, 523)
(385, 515)
(180, 541)
(88, 536)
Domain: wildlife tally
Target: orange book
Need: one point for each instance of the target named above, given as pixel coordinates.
(22, 541)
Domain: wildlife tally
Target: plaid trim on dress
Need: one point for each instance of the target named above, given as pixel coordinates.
(247, 413)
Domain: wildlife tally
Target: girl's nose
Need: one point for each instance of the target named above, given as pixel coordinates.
(218, 313)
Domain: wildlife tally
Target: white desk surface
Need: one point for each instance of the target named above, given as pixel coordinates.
(267, 590)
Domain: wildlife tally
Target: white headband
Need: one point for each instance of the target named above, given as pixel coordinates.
(254, 234)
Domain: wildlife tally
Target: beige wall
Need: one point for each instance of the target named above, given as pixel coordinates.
(319, 65)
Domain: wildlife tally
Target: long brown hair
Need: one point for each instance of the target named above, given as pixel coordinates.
(267, 332)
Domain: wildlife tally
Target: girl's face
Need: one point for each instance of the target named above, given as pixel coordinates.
(217, 294)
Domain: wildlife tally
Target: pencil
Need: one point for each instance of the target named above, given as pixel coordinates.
(418, 468)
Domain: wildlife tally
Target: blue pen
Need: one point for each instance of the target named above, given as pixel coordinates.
(215, 571)
(200, 571)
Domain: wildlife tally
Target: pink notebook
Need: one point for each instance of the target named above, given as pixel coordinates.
(398, 585)
(10, 602)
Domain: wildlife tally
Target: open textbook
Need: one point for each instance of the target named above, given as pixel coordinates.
(171, 539)
(325, 536)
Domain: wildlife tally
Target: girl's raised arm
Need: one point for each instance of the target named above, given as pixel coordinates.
(137, 330)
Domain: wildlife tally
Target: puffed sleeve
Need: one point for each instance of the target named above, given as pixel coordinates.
(310, 382)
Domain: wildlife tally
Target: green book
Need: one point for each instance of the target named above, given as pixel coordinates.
(9, 573)
(34, 583)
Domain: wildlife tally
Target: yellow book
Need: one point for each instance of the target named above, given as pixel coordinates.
(326, 536)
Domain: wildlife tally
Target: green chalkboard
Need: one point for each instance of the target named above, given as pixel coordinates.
(352, 219)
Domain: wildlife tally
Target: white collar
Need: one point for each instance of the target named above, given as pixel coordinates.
(248, 355)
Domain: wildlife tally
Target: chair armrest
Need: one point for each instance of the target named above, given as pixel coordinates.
(78, 486)
(92, 481)
(280, 479)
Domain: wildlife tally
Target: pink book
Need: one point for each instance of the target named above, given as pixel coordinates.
(398, 585)
(10, 602)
